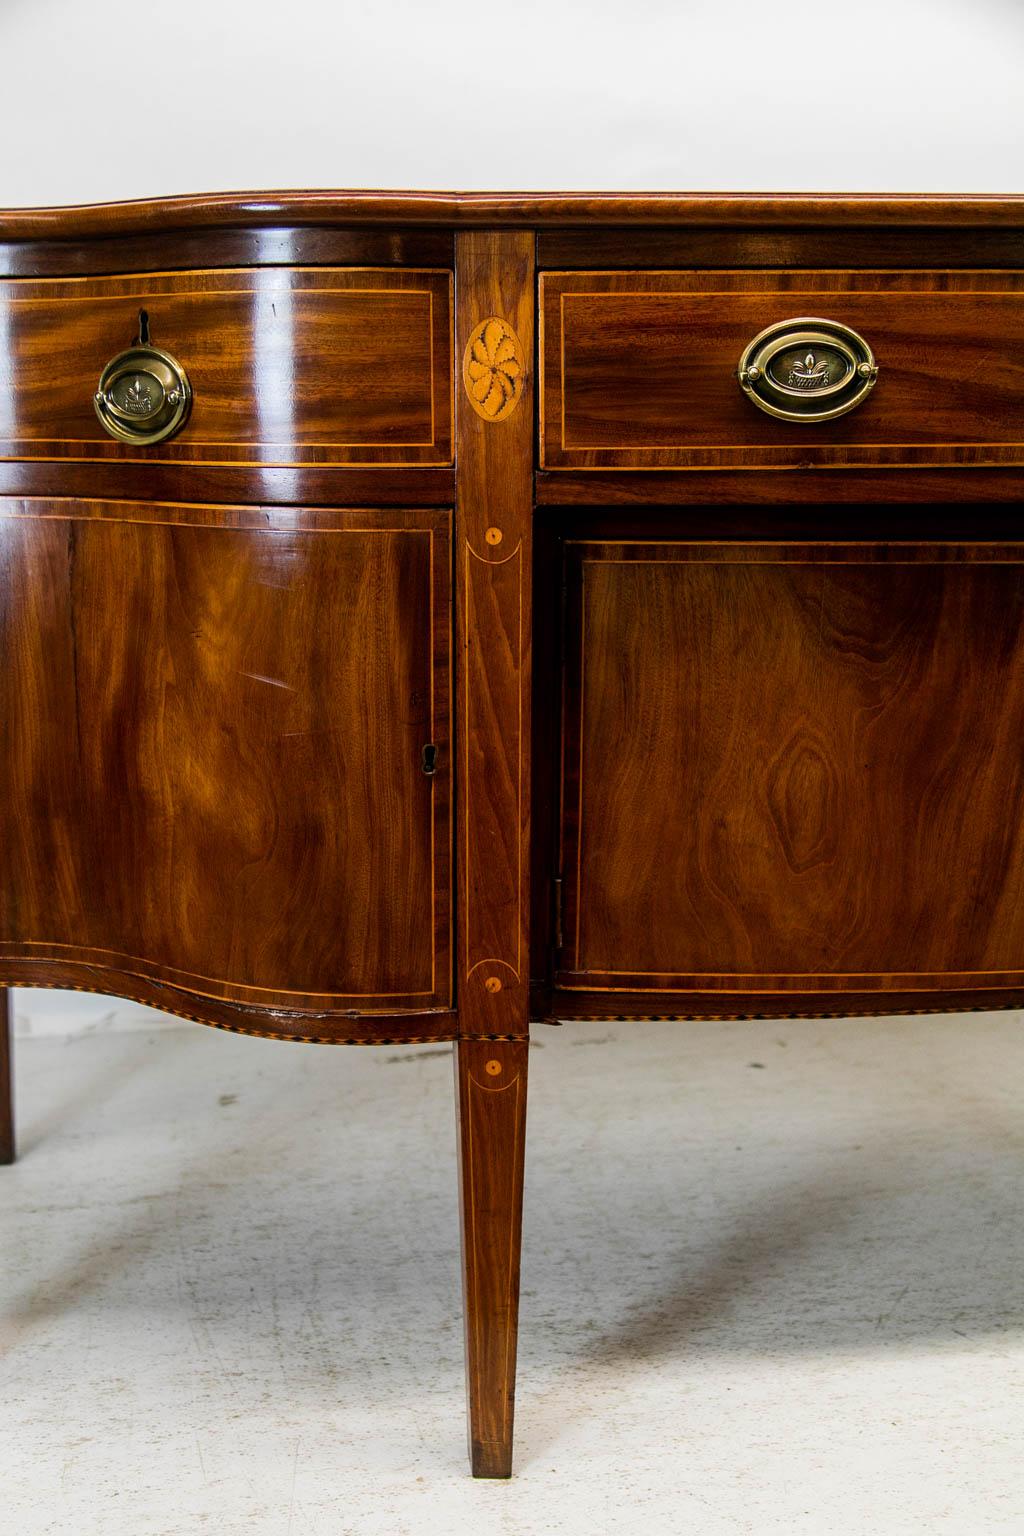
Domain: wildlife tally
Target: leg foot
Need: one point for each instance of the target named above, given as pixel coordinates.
(491, 1100)
(6, 1080)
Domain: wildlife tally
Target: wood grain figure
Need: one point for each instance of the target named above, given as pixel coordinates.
(473, 650)
(220, 778)
(288, 366)
(491, 1098)
(639, 369)
(829, 732)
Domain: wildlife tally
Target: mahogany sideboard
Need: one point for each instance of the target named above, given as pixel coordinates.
(423, 616)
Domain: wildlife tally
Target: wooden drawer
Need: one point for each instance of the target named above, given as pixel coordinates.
(639, 369)
(288, 366)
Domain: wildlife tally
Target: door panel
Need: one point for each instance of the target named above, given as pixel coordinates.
(212, 763)
(793, 767)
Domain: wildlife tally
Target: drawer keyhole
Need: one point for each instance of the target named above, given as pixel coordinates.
(428, 759)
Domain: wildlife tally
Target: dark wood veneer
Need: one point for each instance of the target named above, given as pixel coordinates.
(551, 1005)
(490, 1083)
(530, 210)
(738, 702)
(304, 485)
(768, 247)
(639, 369)
(203, 250)
(829, 731)
(494, 277)
(366, 1025)
(288, 366)
(218, 782)
(795, 485)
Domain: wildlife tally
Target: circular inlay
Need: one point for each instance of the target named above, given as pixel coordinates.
(493, 984)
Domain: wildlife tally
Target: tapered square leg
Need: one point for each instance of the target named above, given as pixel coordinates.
(6, 1079)
(495, 286)
(491, 1101)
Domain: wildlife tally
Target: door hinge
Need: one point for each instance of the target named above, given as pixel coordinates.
(557, 891)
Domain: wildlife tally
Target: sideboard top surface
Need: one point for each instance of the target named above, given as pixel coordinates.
(235, 210)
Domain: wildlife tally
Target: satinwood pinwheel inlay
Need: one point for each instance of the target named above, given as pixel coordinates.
(492, 369)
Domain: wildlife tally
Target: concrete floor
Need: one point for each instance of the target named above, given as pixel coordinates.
(773, 1283)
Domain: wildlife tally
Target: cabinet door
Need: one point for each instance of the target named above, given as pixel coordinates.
(793, 768)
(212, 771)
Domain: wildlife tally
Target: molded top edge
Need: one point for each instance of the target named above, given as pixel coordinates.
(237, 210)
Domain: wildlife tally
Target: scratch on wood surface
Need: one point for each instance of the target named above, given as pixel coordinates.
(274, 682)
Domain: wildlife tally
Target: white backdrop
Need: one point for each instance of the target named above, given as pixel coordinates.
(126, 100)
(102, 101)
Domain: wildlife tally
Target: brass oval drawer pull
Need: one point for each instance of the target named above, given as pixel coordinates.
(144, 395)
(807, 370)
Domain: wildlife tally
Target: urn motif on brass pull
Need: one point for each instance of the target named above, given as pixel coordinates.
(807, 370)
(144, 395)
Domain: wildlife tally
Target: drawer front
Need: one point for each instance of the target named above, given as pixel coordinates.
(226, 764)
(287, 366)
(792, 769)
(639, 369)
